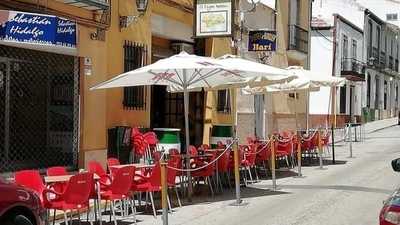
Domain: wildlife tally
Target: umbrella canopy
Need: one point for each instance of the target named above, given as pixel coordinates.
(184, 73)
(257, 70)
(306, 80)
(192, 73)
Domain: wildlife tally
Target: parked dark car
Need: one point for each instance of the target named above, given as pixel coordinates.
(19, 206)
(390, 213)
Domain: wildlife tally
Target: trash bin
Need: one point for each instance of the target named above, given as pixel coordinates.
(168, 138)
(220, 133)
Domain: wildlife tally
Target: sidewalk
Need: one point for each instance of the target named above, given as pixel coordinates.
(379, 125)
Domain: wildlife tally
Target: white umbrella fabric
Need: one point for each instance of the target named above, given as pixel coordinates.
(258, 70)
(306, 80)
(185, 73)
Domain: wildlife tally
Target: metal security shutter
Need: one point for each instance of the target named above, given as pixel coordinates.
(39, 109)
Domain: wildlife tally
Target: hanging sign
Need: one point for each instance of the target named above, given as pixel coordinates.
(31, 28)
(262, 40)
(213, 18)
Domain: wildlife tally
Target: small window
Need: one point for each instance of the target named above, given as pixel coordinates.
(391, 17)
(135, 56)
(354, 49)
(293, 95)
(345, 47)
(224, 101)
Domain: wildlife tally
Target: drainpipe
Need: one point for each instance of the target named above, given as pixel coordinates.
(334, 92)
(309, 34)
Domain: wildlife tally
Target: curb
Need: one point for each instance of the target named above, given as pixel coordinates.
(382, 128)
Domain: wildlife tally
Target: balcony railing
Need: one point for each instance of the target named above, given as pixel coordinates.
(353, 68)
(391, 63)
(375, 56)
(298, 39)
(382, 59)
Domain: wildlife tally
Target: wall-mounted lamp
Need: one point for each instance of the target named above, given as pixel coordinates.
(125, 21)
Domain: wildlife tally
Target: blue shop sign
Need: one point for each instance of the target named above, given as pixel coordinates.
(37, 29)
(262, 40)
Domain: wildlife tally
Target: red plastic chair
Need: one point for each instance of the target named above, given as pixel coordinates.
(96, 168)
(284, 150)
(174, 162)
(75, 196)
(31, 179)
(249, 160)
(151, 184)
(207, 172)
(119, 188)
(223, 166)
(58, 171)
(112, 162)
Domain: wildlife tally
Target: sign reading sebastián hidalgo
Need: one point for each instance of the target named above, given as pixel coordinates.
(37, 29)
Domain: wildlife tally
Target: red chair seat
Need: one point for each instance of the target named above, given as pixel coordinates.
(146, 187)
(109, 195)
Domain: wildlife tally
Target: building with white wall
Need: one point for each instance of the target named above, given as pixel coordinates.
(337, 50)
(379, 93)
(382, 56)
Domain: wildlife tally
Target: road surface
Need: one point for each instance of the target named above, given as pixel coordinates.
(350, 192)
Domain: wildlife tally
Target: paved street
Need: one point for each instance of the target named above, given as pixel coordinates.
(348, 193)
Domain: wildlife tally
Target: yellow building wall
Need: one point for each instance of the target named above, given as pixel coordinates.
(103, 109)
(137, 32)
(217, 47)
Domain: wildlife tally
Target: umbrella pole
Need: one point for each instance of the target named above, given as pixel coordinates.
(236, 159)
(186, 111)
(307, 110)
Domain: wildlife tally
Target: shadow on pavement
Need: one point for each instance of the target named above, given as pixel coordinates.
(331, 187)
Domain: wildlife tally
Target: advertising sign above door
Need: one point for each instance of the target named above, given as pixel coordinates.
(213, 18)
(40, 29)
(262, 40)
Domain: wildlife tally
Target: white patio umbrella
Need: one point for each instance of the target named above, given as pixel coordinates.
(185, 73)
(306, 80)
(258, 70)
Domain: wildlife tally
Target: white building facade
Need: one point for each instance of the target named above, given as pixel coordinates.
(337, 50)
(382, 74)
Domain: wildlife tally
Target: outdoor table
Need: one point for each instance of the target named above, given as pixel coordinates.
(63, 178)
(136, 165)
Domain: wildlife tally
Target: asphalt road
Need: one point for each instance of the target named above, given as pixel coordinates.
(350, 192)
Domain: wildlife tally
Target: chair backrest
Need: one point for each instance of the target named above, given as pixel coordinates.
(193, 150)
(123, 180)
(79, 188)
(223, 162)
(150, 138)
(173, 162)
(251, 154)
(113, 162)
(211, 167)
(285, 145)
(56, 171)
(30, 179)
(173, 151)
(155, 177)
(264, 152)
(95, 167)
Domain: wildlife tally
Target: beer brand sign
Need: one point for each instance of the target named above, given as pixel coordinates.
(262, 40)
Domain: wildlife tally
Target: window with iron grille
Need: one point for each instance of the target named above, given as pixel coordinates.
(135, 56)
(224, 101)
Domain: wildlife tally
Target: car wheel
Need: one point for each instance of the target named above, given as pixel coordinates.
(18, 220)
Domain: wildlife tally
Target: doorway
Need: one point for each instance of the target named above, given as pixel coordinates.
(167, 109)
